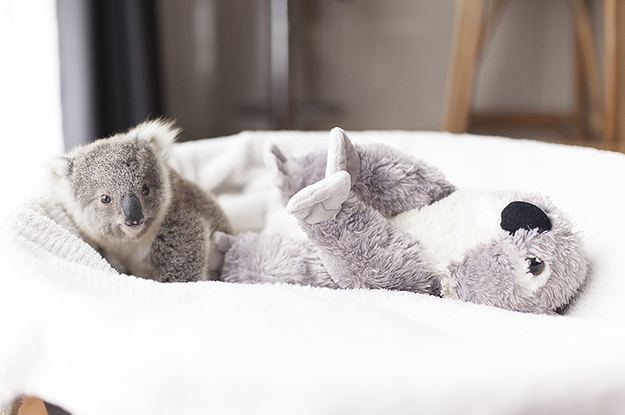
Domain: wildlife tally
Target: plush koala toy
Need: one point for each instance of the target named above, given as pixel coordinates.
(129, 204)
(376, 218)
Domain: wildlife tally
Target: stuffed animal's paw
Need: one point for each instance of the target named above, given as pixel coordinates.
(342, 155)
(285, 173)
(222, 242)
(321, 201)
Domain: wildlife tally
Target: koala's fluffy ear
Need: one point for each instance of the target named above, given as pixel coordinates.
(160, 133)
(59, 177)
(62, 166)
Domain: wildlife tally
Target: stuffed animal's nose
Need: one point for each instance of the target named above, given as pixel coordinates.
(133, 213)
(524, 215)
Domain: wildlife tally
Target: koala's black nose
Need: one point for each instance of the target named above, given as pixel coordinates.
(133, 213)
(523, 215)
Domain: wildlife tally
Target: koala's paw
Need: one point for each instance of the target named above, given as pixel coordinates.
(342, 155)
(285, 173)
(222, 242)
(321, 201)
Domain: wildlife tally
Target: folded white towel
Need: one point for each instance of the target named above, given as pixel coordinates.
(79, 335)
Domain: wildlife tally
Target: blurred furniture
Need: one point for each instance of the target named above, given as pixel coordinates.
(597, 106)
(284, 110)
(280, 106)
(33, 406)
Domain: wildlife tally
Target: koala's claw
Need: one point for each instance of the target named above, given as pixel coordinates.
(321, 201)
(222, 242)
(286, 174)
(342, 155)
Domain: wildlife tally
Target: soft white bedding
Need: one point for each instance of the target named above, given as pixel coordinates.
(81, 336)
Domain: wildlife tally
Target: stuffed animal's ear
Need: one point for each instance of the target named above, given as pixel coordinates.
(523, 215)
(159, 133)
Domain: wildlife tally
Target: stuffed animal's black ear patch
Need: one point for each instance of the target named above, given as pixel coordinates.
(523, 215)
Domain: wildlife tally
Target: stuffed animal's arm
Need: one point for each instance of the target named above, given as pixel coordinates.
(261, 258)
(361, 249)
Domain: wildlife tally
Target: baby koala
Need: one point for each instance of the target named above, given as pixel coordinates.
(130, 205)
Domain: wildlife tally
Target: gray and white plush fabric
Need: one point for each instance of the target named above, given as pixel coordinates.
(375, 217)
(85, 338)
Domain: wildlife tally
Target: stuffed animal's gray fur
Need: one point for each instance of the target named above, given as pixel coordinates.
(378, 219)
(128, 203)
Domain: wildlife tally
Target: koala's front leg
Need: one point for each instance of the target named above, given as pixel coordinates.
(180, 251)
(361, 249)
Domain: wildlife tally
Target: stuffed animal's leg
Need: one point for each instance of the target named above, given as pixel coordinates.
(356, 243)
(382, 177)
(393, 183)
(290, 175)
(360, 248)
(260, 258)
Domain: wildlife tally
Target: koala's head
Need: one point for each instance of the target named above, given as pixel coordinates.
(117, 187)
(536, 266)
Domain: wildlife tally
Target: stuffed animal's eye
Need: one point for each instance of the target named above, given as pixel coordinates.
(105, 199)
(145, 190)
(536, 266)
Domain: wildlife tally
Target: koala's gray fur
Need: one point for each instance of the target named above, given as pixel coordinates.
(13, 408)
(129, 204)
(357, 216)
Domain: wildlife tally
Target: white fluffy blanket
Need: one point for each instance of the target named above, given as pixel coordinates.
(81, 336)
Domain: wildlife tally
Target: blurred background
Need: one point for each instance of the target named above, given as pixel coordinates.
(75, 70)
(521, 68)
(222, 66)
(72, 71)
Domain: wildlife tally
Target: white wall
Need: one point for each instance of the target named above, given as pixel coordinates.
(30, 95)
(383, 63)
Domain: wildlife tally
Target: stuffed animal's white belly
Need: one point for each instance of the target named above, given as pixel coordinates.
(452, 226)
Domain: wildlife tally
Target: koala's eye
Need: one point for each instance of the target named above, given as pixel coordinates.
(145, 190)
(105, 199)
(536, 266)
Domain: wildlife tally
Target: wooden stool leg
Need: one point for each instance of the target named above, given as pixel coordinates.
(462, 63)
(589, 64)
(620, 76)
(579, 116)
(609, 24)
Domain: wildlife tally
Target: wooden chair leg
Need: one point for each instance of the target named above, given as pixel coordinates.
(461, 73)
(579, 122)
(609, 25)
(490, 18)
(589, 64)
(620, 77)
